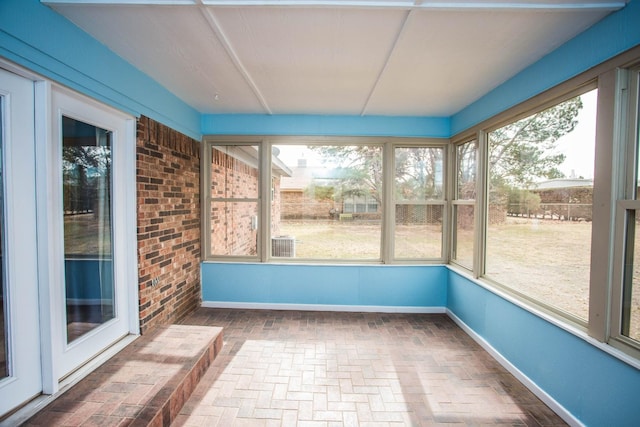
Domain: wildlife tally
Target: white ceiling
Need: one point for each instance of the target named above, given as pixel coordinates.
(375, 57)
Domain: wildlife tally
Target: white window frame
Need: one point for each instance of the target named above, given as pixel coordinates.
(626, 122)
(456, 201)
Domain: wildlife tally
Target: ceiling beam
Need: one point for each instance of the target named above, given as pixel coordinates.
(224, 40)
(401, 31)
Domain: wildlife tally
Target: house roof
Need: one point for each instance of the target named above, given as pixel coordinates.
(564, 183)
(302, 176)
(333, 57)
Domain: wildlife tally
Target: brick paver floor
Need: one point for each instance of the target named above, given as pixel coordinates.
(291, 368)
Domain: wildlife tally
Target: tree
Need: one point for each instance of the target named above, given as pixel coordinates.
(522, 202)
(419, 173)
(359, 168)
(522, 152)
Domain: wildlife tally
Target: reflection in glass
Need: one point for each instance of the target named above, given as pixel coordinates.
(88, 249)
(541, 172)
(326, 202)
(4, 369)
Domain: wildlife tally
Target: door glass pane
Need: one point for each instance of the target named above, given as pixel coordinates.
(4, 371)
(86, 172)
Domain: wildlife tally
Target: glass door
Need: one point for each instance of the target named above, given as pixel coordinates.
(89, 204)
(20, 366)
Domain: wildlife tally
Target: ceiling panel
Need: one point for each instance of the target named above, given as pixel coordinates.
(414, 58)
(174, 45)
(306, 61)
(446, 60)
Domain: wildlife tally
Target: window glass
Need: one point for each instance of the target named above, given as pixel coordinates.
(466, 171)
(327, 201)
(464, 234)
(234, 204)
(464, 204)
(631, 288)
(419, 205)
(4, 371)
(631, 294)
(539, 204)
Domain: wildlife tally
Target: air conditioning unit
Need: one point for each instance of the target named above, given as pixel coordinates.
(283, 246)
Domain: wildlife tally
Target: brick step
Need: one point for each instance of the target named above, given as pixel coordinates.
(146, 383)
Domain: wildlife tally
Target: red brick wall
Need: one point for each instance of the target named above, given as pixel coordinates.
(297, 205)
(231, 227)
(168, 174)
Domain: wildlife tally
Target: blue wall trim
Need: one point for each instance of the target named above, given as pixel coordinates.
(34, 36)
(376, 285)
(595, 387)
(611, 36)
(257, 124)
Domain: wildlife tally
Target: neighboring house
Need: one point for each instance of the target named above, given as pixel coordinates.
(315, 192)
(299, 199)
(565, 198)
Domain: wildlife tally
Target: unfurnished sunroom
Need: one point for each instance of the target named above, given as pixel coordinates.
(476, 160)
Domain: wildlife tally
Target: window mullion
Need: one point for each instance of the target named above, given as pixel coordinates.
(388, 197)
(264, 201)
(482, 204)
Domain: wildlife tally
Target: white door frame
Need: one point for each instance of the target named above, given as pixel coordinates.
(60, 358)
(25, 379)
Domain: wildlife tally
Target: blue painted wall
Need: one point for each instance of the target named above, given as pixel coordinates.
(598, 389)
(34, 36)
(613, 35)
(375, 285)
(253, 124)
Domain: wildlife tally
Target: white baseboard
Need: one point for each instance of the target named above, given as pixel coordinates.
(325, 307)
(525, 380)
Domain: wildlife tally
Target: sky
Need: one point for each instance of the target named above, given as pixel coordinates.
(579, 145)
